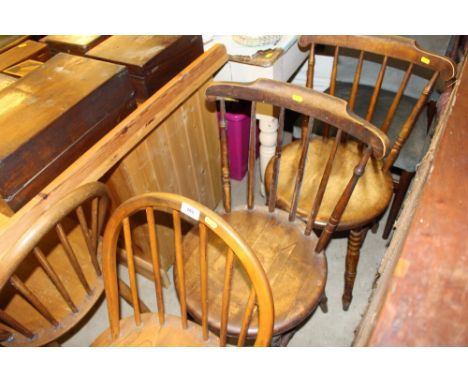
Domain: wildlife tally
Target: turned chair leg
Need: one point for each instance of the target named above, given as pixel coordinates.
(403, 185)
(355, 240)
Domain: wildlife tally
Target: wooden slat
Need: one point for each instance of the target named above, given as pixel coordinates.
(72, 257)
(247, 317)
(226, 297)
(409, 123)
(112, 147)
(32, 299)
(180, 266)
(131, 270)
(155, 262)
(323, 184)
(377, 87)
(53, 276)
(334, 74)
(396, 100)
(357, 77)
(300, 171)
(89, 240)
(342, 202)
(252, 152)
(12, 323)
(126, 293)
(203, 279)
(276, 163)
(224, 158)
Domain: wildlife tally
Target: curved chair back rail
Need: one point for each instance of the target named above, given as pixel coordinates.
(54, 280)
(207, 220)
(387, 47)
(400, 48)
(308, 102)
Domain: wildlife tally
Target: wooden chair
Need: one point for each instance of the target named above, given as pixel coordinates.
(293, 257)
(53, 279)
(406, 120)
(216, 242)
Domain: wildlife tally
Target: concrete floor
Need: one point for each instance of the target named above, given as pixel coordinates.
(335, 328)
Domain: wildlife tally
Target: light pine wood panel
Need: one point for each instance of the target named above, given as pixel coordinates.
(180, 157)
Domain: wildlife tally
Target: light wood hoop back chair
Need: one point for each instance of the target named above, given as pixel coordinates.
(293, 257)
(55, 276)
(401, 114)
(165, 329)
(394, 113)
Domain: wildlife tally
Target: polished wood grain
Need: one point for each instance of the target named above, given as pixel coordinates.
(151, 60)
(6, 80)
(50, 294)
(181, 208)
(57, 94)
(23, 68)
(26, 50)
(115, 145)
(74, 44)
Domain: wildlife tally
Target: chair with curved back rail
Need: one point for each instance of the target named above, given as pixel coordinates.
(396, 113)
(292, 256)
(216, 243)
(54, 279)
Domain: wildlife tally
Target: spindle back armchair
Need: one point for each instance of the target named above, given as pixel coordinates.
(162, 328)
(54, 278)
(293, 258)
(404, 118)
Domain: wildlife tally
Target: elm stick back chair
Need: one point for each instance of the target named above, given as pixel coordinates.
(292, 256)
(54, 278)
(394, 106)
(216, 242)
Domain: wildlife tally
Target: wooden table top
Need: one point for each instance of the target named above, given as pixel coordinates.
(426, 303)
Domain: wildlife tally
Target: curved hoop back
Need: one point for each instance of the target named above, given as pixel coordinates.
(180, 207)
(55, 280)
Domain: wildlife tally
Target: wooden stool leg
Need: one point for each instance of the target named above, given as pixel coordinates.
(324, 303)
(355, 240)
(403, 185)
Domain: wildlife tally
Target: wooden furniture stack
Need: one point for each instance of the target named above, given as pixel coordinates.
(151, 60)
(73, 44)
(23, 58)
(52, 116)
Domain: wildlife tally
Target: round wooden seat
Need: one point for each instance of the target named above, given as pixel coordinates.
(150, 333)
(369, 200)
(296, 274)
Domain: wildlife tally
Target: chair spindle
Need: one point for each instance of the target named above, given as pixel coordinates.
(72, 257)
(53, 276)
(323, 184)
(334, 74)
(224, 158)
(32, 299)
(89, 240)
(276, 163)
(12, 323)
(203, 279)
(252, 151)
(357, 77)
(180, 266)
(131, 269)
(226, 297)
(247, 317)
(300, 170)
(378, 86)
(156, 266)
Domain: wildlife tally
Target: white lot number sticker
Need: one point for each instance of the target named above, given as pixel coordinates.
(188, 210)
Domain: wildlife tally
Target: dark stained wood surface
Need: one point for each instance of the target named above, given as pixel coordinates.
(75, 44)
(52, 116)
(151, 60)
(28, 49)
(426, 303)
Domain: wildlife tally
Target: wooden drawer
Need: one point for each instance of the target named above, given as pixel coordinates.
(28, 49)
(53, 115)
(74, 44)
(151, 60)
